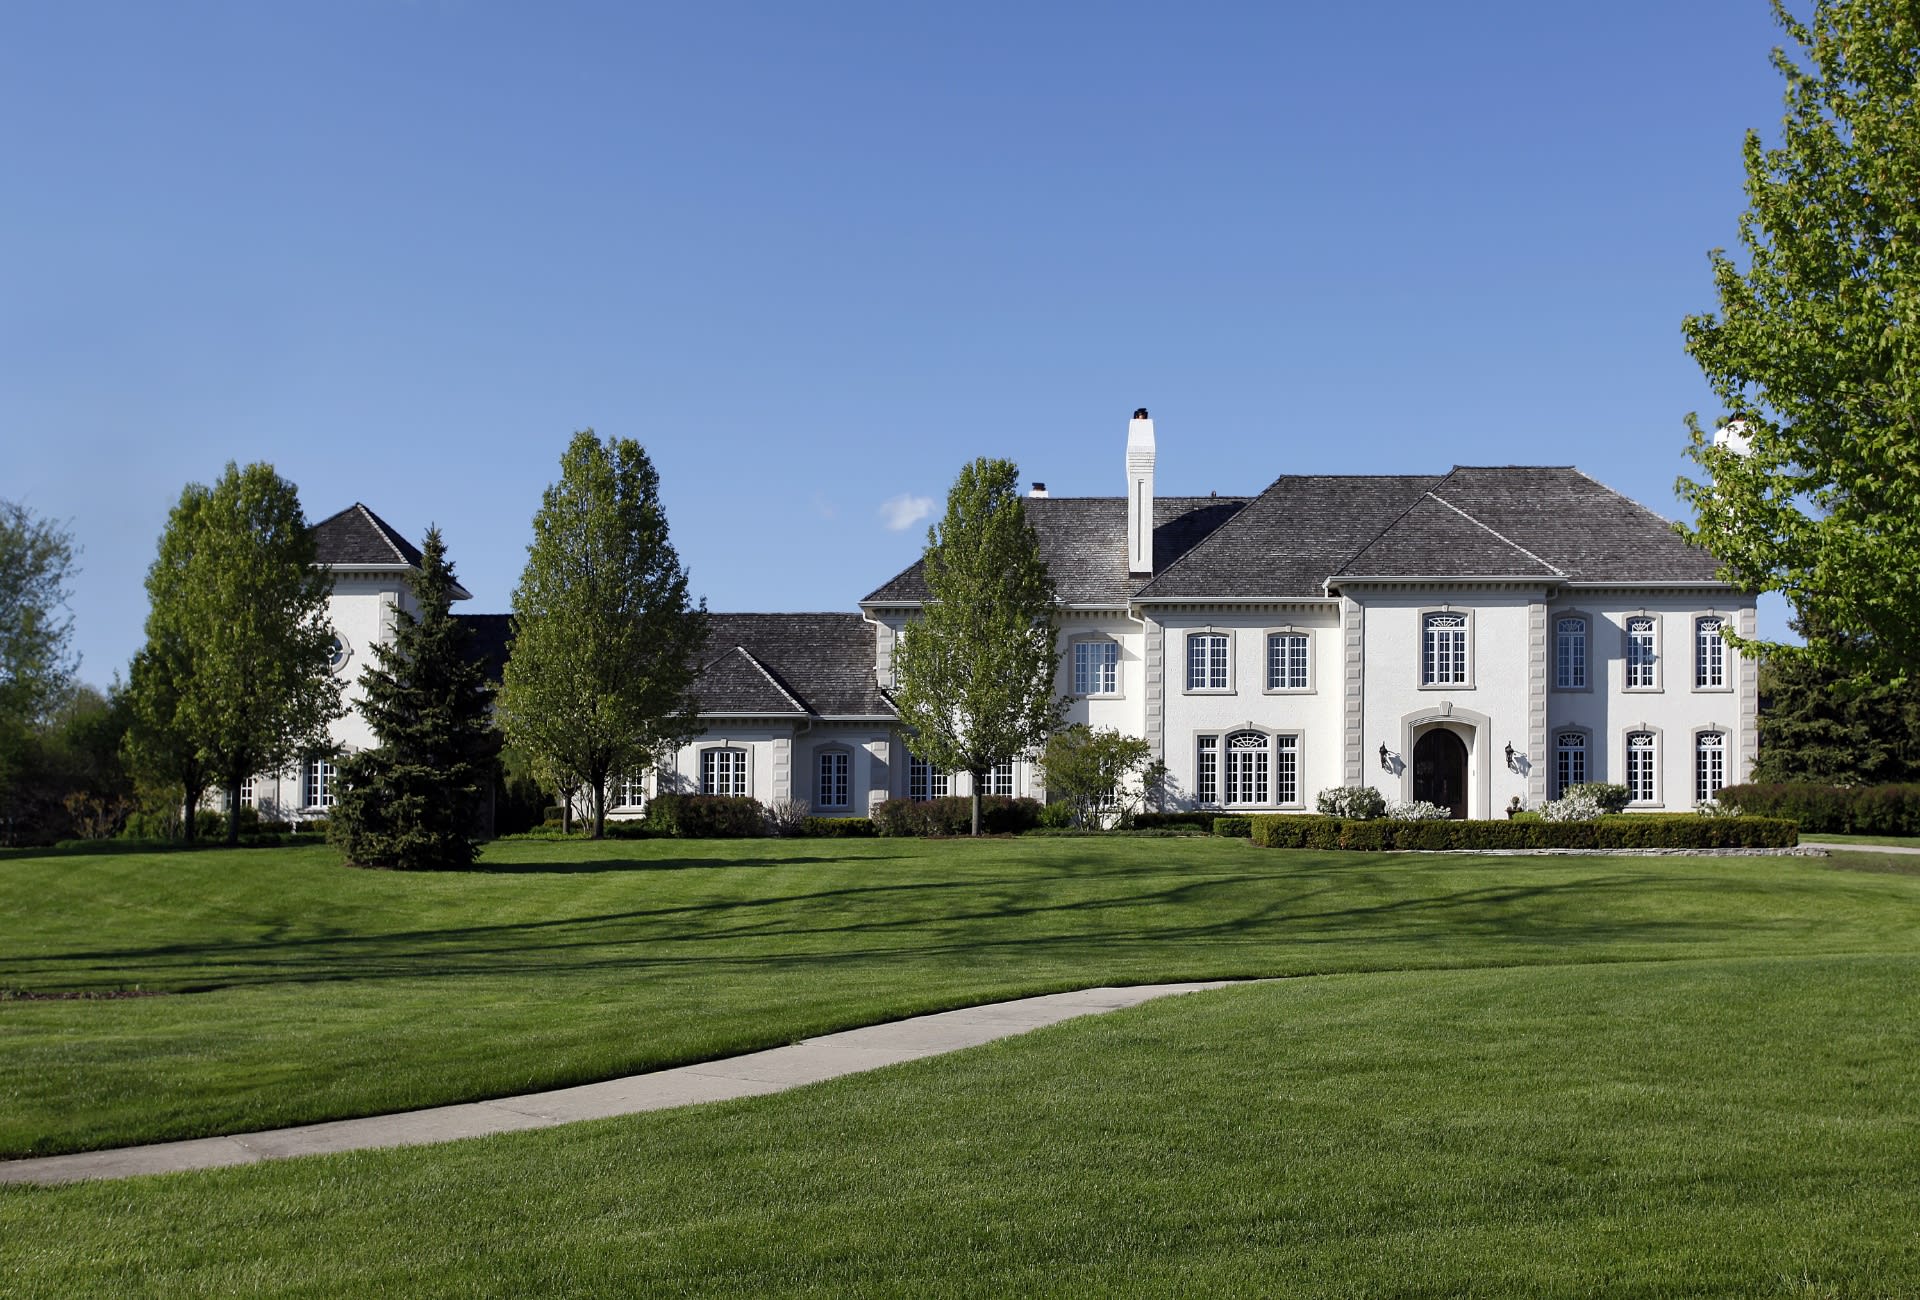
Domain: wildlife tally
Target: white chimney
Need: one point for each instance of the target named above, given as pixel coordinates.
(1039, 490)
(1140, 492)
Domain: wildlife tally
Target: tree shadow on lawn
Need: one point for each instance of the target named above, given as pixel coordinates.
(1503, 921)
(576, 867)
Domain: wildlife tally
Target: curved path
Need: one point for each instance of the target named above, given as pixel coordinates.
(753, 1075)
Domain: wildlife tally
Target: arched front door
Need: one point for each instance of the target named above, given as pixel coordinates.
(1440, 770)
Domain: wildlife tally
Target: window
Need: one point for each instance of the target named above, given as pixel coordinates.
(337, 654)
(1096, 667)
(1286, 769)
(1443, 660)
(723, 771)
(1570, 653)
(830, 789)
(1247, 758)
(1569, 761)
(1709, 654)
(319, 783)
(247, 799)
(1287, 661)
(1207, 661)
(629, 790)
(1000, 779)
(1641, 785)
(924, 780)
(1206, 771)
(1641, 653)
(1709, 765)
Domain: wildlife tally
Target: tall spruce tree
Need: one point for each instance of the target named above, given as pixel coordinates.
(606, 639)
(1818, 724)
(975, 671)
(1815, 351)
(413, 801)
(237, 668)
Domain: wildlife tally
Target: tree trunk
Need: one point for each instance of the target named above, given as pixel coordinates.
(600, 808)
(566, 810)
(979, 779)
(233, 810)
(186, 823)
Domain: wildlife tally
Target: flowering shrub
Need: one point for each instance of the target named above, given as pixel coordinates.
(1612, 797)
(1354, 803)
(1714, 808)
(1578, 804)
(1418, 810)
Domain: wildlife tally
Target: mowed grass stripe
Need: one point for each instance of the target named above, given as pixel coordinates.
(1724, 1127)
(299, 990)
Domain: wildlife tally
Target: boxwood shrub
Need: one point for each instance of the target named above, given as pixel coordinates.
(1629, 831)
(999, 815)
(1233, 828)
(1160, 821)
(1833, 809)
(706, 816)
(838, 828)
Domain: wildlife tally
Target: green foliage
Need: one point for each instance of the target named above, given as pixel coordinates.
(1832, 809)
(36, 658)
(1610, 795)
(235, 677)
(706, 816)
(1814, 350)
(1099, 773)
(520, 803)
(1819, 724)
(413, 801)
(839, 828)
(1200, 820)
(990, 815)
(607, 642)
(1279, 831)
(61, 776)
(1233, 828)
(975, 670)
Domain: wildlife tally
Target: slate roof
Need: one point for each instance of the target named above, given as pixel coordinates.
(488, 645)
(817, 664)
(357, 536)
(1084, 543)
(1552, 523)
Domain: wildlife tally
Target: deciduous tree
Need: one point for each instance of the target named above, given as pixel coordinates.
(1815, 351)
(36, 658)
(975, 670)
(1099, 773)
(606, 639)
(413, 800)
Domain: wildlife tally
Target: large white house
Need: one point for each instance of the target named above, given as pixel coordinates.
(1465, 638)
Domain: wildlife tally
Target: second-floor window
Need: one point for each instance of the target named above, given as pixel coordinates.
(1207, 661)
(1709, 654)
(1287, 661)
(1642, 654)
(1096, 667)
(1443, 656)
(1570, 654)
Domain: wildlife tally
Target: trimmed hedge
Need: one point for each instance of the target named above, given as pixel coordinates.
(1278, 831)
(1834, 809)
(838, 828)
(706, 816)
(1233, 828)
(999, 815)
(1160, 821)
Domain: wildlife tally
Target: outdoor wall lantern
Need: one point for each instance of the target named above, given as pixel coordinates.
(1386, 758)
(1512, 764)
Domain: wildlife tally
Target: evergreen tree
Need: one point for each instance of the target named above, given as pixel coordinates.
(975, 671)
(1814, 352)
(1819, 724)
(413, 801)
(606, 639)
(236, 675)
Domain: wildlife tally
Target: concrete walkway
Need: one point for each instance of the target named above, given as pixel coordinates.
(754, 1075)
(1840, 846)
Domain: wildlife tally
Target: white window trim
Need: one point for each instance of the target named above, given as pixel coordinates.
(312, 797)
(820, 754)
(1013, 780)
(746, 767)
(1553, 757)
(1266, 661)
(1553, 651)
(1220, 736)
(1420, 649)
(1626, 654)
(1232, 649)
(1119, 660)
(620, 791)
(934, 774)
(1726, 655)
(1659, 799)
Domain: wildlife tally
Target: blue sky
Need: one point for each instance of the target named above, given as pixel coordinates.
(816, 256)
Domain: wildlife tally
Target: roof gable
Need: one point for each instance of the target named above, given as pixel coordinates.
(1432, 538)
(822, 664)
(357, 536)
(736, 682)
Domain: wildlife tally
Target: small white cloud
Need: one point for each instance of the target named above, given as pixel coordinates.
(904, 511)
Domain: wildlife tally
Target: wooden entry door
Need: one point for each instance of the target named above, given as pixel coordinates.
(1440, 770)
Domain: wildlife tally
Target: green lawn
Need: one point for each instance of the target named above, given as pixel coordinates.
(297, 990)
(1902, 841)
(1733, 1126)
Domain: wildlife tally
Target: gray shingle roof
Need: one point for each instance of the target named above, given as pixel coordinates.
(1084, 543)
(358, 536)
(1435, 539)
(487, 642)
(822, 664)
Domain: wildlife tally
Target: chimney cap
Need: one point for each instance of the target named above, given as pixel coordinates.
(1039, 488)
(1141, 414)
